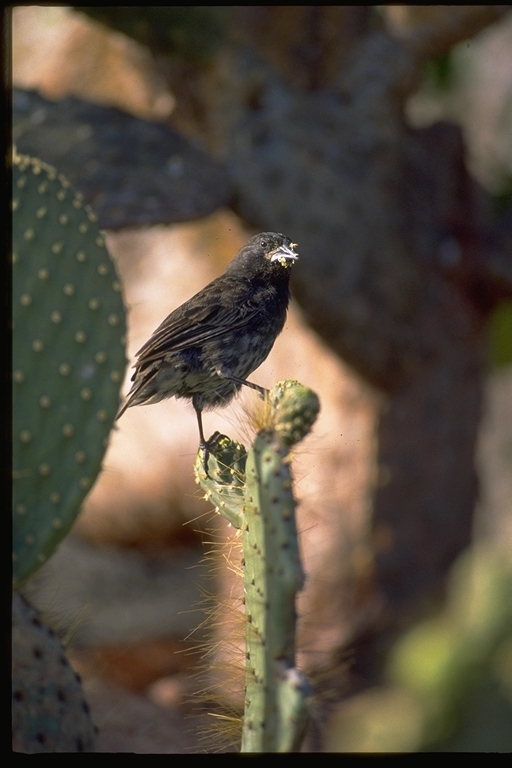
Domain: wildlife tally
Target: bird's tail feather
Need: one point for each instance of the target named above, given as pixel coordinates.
(134, 396)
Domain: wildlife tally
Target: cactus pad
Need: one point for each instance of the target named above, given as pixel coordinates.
(69, 358)
(49, 712)
(224, 485)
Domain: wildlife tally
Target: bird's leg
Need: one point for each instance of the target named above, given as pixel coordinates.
(227, 375)
(202, 442)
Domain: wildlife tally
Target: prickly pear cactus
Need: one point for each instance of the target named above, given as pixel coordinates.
(49, 712)
(224, 485)
(69, 358)
(261, 502)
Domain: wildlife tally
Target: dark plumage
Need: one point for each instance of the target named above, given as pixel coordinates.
(205, 350)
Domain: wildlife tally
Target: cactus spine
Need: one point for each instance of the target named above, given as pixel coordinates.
(264, 507)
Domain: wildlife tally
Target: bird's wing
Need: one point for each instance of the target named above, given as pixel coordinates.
(195, 323)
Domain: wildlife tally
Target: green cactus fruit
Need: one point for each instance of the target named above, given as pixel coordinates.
(49, 711)
(69, 358)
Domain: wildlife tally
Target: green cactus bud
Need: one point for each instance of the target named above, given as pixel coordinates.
(69, 358)
(294, 411)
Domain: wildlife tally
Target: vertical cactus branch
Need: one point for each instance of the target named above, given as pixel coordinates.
(275, 699)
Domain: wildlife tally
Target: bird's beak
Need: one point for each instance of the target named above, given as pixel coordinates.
(285, 253)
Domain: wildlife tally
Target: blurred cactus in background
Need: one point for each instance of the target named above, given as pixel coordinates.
(49, 711)
(448, 680)
(193, 33)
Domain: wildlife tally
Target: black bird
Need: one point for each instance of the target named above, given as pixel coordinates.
(205, 350)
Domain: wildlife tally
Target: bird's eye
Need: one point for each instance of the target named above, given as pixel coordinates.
(263, 243)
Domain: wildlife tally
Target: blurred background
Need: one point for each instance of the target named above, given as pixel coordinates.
(379, 139)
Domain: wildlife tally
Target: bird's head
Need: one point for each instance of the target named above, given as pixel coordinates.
(267, 252)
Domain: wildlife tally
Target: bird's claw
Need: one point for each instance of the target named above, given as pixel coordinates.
(203, 446)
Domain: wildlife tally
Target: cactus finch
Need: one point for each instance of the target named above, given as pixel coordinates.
(206, 348)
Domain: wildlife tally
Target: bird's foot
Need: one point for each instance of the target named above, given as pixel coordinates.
(204, 446)
(263, 393)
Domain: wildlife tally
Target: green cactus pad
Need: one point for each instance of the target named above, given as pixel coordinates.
(49, 711)
(224, 485)
(69, 358)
